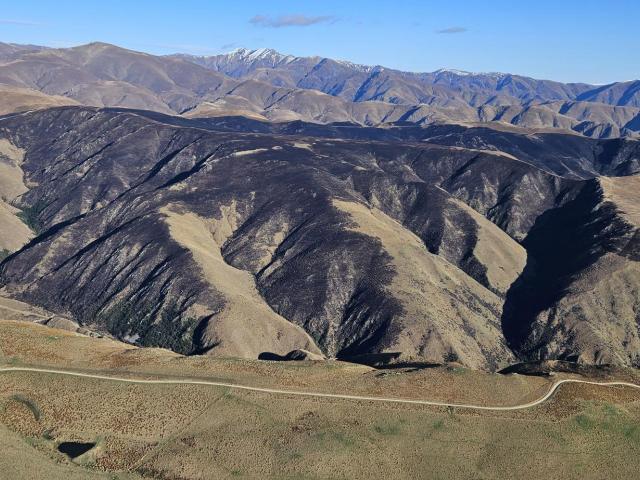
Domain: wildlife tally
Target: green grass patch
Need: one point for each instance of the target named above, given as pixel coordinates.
(330, 439)
(431, 428)
(438, 424)
(30, 216)
(609, 419)
(457, 370)
(389, 428)
(31, 441)
(631, 432)
(584, 422)
(4, 253)
(611, 410)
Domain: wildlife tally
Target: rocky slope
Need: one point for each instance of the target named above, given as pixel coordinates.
(235, 237)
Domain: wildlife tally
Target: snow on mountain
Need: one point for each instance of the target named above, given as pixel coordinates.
(268, 55)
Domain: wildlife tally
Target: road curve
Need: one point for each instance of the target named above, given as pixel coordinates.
(522, 406)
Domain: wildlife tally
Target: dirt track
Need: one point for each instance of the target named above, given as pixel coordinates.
(540, 400)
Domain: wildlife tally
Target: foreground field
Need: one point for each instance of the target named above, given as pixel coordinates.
(199, 431)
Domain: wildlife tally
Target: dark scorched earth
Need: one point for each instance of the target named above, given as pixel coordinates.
(235, 237)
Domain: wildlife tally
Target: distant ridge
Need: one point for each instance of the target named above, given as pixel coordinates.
(449, 94)
(267, 85)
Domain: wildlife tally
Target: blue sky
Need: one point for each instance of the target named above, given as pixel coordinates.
(566, 40)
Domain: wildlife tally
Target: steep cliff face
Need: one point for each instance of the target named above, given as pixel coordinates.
(203, 237)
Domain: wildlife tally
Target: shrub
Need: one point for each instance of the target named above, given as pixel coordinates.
(30, 216)
(166, 330)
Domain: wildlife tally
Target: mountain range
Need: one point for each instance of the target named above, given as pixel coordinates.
(264, 84)
(236, 237)
(157, 201)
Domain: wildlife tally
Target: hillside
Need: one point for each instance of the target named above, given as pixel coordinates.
(205, 237)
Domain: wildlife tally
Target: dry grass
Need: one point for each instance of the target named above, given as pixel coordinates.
(222, 108)
(441, 303)
(625, 193)
(26, 343)
(13, 232)
(246, 326)
(503, 257)
(188, 431)
(18, 99)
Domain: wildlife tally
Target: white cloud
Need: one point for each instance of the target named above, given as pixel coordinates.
(4, 21)
(453, 30)
(290, 20)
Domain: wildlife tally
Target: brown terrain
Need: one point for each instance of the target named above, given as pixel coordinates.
(255, 265)
(237, 237)
(191, 431)
(265, 85)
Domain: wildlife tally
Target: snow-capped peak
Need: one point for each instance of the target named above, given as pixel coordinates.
(267, 54)
(460, 73)
(356, 66)
(464, 73)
